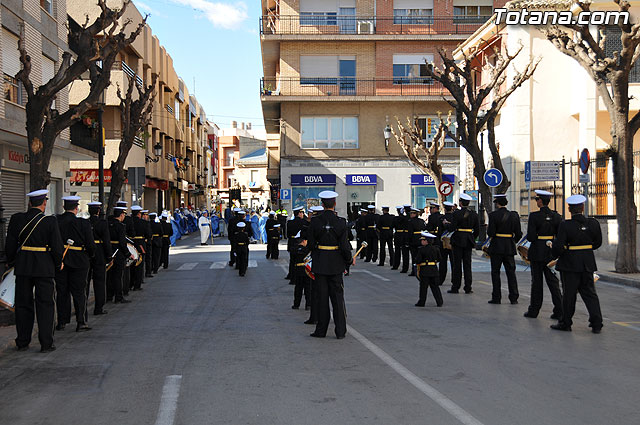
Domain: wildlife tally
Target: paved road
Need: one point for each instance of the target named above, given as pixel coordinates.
(201, 345)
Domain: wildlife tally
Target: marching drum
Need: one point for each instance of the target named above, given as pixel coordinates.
(8, 290)
(523, 248)
(307, 266)
(133, 252)
(446, 240)
(485, 247)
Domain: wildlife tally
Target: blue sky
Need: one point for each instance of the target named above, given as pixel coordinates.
(217, 43)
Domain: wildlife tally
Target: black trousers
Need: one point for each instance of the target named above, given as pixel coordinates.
(97, 274)
(461, 260)
(137, 274)
(445, 254)
(538, 270)
(114, 281)
(497, 261)
(232, 253)
(148, 259)
(71, 282)
(272, 249)
(330, 287)
(386, 241)
(414, 252)
(45, 308)
(165, 254)
(432, 282)
(313, 295)
(242, 257)
(303, 285)
(397, 254)
(580, 282)
(126, 279)
(363, 253)
(405, 258)
(156, 252)
(372, 248)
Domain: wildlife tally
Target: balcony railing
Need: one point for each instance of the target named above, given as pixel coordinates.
(122, 65)
(331, 24)
(168, 108)
(349, 86)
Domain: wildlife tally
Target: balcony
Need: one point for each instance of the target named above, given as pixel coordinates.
(380, 88)
(122, 65)
(337, 25)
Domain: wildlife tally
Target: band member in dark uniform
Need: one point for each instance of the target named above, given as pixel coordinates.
(301, 280)
(269, 225)
(573, 247)
(371, 222)
(167, 232)
(231, 233)
(415, 227)
(445, 226)
(466, 228)
(398, 234)
(505, 231)
(293, 227)
(117, 232)
(34, 248)
(241, 239)
(273, 238)
(71, 280)
(148, 256)
(102, 256)
(130, 233)
(543, 227)
(156, 242)
(361, 232)
(385, 229)
(406, 239)
(427, 259)
(141, 235)
(330, 252)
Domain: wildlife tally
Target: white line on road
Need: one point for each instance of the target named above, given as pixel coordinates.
(187, 266)
(253, 264)
(443, 401)
(169, 401)
(218, 265)
(384, 279)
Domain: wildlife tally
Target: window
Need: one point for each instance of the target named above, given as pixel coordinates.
(10, 67)
(47, 5)
(328, 70)
(613, 43)
(329, 132)
(318, 18)
(413, 16)
(428, 127)
(412, 69)
(471, 14)
(12, 90)
(254, 176)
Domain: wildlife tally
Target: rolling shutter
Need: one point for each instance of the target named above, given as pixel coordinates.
(318, 66)
(10, 54)
(48, 69)
(413, 4)
(412, 59)
(13, 193)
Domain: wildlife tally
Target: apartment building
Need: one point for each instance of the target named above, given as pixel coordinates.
(167, 166)
(44, 23)
(336, 73)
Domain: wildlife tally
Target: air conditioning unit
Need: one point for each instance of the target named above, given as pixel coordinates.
(365, 27)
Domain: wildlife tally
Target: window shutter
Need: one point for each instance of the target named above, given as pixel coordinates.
(318, 66)
(413, 4)
(10, 55)
(412, 59)
(48, 69)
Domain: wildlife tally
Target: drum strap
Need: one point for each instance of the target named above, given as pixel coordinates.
(32, 229)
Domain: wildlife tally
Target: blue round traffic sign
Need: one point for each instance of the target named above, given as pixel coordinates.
(585, 161)
(493, 177)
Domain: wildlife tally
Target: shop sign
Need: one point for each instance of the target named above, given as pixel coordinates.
(157, 184)
(427, 180)
(313, 179)
(88, 175)
(15, 158)
(361, 179)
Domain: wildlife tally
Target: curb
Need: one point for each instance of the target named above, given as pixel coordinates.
(609, 277)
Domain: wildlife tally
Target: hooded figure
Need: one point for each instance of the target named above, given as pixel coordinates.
(255, 225)
(205, 228)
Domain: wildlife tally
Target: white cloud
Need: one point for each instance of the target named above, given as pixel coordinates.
(219, 14)
(144, 7)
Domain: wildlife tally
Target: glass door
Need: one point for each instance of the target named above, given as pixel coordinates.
(348, 77)
(347, 20)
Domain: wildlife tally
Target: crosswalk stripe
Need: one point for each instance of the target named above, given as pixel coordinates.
(218, 265)
(253, 263)
(187, 266)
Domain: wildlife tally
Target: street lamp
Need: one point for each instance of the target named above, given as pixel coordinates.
(483, 225)
(157, 151)
(101, 103)
(387, 136)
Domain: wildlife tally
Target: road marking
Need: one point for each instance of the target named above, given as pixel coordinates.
(218, 265)
(187, 266)
(253, 264)
(384, 279)
(169, 400)
(443, 401)
(628, 325)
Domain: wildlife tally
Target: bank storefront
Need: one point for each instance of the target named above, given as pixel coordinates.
(306, 187)
(424, 191)
(361, 192)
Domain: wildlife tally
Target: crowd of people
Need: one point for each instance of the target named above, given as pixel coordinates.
(59, 257)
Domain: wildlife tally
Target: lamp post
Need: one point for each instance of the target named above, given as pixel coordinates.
(157, 152)
(387, 137)
(483, 225)
(101, 103)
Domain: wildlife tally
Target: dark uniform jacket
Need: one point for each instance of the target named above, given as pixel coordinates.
(371, 224)
(101, 238)
(46, 235)
(156, 234)
(427, 259)
(79, 230)
(167, 232)
(361, 227)
(232, 229)
(578, 232)
(468, 220)
(270, 223)
(542, 227)
(385, 225)
(434, 224)
(298, 253)
(415, 226)
(504, 222)
(399, 225)
(117, 232)
(293, 227)
(128, 225)
(142, 233)
(241, 238)
(273, 233)
(329, 230)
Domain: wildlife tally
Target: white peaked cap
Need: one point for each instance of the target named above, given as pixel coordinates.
(298, 235)
(71, 198)
(448, 204)
(543, 192)
(465, 197)
(136, 208)
(276, 225)
(576, 200)
(241, 224)
(38, 193)
(428, 235)
(328, 194)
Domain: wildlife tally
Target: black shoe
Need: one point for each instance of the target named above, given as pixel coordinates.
(340, 336)
(23, 348)
(419, 304)
(394, 268)
(514, 301)
(83, 328)
(453, 291)
(561, 327)
(380, 264)
(99, 313)
(555, 316)
(315, 335)
(468, 291)
(287, 277)
(494, 302)
(346, 273)
(295, 307)
(48, 349)
(241, 274)
(438, 305)
(403, 271)
(148, 275)
(122, 301)
(310, 322)
(60, 326)
(596, 330)
(411, 274)
(530, 315)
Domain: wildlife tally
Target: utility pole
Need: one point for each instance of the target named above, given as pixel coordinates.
(101, 160)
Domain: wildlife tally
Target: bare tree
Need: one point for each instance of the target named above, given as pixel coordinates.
(96, 47)
(467, 99)
(135, 116)
(611, 76)
(424, 156)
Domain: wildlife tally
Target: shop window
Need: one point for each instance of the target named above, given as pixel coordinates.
(307, 196)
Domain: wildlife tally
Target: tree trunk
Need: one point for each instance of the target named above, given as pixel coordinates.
(118, 173)
(39, 150)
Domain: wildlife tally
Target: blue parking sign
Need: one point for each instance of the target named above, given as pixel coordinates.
(285, 194)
